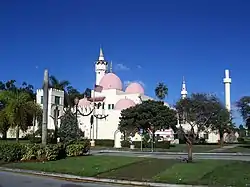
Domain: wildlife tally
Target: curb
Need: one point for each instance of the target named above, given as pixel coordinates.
(92, 179)
(172, 153)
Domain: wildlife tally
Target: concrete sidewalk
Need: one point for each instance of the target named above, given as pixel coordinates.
(168, 153)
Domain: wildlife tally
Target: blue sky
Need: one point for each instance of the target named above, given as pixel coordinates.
(155, 41)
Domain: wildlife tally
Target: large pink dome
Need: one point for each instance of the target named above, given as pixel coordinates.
(84, 102)
(111, 81)
(124, 104)
(135, 88)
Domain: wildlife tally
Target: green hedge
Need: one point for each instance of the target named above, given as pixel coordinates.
(244, 140)
(77, 149)
(104, 143)
(161, 145)
(11, 152)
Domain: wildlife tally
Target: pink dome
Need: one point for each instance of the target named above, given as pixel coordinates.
(84, 102)
(111, 81)
(124, 104)
(135, 88)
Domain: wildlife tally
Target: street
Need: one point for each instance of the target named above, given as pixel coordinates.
(163, 155)
(8, 179)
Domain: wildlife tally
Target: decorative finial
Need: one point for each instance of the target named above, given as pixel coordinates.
(101, 56)
(110, 67)
(183, 80)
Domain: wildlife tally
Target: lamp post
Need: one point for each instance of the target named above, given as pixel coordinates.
(97, 117)
(56, 117)
(76, 101)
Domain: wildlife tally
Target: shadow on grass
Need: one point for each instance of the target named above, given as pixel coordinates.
(245, 146)
(142, 171)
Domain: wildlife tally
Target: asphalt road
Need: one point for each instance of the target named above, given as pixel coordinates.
(8, 179)
(176, 156)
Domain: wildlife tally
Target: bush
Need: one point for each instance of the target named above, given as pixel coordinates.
(104, 143)
(161, 145)
(79, 149)
(10, 152)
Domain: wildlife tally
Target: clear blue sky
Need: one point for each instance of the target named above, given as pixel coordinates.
(156, 40)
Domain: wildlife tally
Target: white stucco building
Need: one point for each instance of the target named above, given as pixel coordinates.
(110, 97)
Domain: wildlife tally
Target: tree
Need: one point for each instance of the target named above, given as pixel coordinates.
(243, 106)
(4, 123)
(69, 130)
(195, 112)
(161, 91)
(72, 94)
(19, 106)
(221, 121)
(146, 114)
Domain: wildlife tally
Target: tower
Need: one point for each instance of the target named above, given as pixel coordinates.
(183, 89)
(227, 82)
(100, 67)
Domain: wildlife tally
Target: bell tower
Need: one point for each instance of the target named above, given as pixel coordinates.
(100, 67)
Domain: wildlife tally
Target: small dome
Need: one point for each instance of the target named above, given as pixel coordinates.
(134, 88)
(111, 81)
(124, 104)
(84, 102)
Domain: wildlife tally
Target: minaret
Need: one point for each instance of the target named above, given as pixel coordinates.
(100, 67)
(227, 82)
(111, 68)
(183, 89)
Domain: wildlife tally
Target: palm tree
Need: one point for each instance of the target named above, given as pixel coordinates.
(60, 85)
(161, 91)
(4, 123)
(20, 109)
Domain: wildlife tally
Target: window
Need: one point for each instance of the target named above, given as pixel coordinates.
(113, 106)
(103, 105)
(109, 106)
(41, 99)
(57, 100)
(205, 136)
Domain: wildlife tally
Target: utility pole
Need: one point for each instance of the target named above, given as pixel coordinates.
(45, 106)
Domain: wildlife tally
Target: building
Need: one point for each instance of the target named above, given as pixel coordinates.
(110, 97)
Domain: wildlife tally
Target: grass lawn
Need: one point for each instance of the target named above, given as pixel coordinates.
(239, 149)
(83, 166)
(202, 172)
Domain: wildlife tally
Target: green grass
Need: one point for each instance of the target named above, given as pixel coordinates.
(201, 172)
(140, 171)
(239, 149)
(83, 166)
(208, 172)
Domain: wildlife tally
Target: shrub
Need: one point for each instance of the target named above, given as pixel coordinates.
(162, 145)
(54, 152)
(10, 152)
(104, 143)
(241, 140)
(76, 150)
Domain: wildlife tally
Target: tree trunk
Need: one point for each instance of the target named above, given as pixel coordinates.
(221, 140)
(190, 152)
(4, 135)
(45, 107)
(17, 133)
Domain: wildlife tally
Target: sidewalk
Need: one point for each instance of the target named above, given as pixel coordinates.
(168, 153)
(92, 179)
